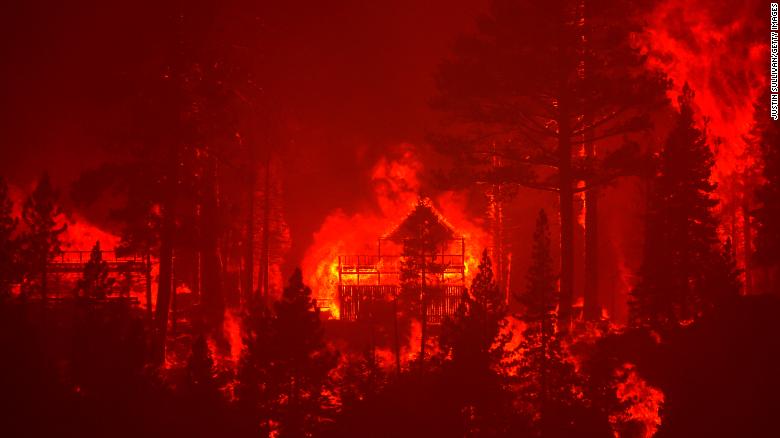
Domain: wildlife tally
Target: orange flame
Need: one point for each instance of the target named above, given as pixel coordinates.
(396, 191)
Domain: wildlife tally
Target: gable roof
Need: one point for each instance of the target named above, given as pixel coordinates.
(423, 220)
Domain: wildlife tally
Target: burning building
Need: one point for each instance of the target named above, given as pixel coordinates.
(421, 263)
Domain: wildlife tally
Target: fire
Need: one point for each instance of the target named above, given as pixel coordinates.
(643, 401)
(82, 235)
(721, 52)
(717, 51)
(396, 187)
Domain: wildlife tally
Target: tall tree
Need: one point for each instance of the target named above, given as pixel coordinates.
(253, 392)
(285, 368)
(302, 360)
(422, 234)
(44, 222)
(681, 241)
(475, 346)
(9, 268)
(517, 89)
(546, 376)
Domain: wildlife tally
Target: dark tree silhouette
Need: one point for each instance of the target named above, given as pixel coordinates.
(253, 391)
(95, 282)
(42, 216)
(285, 372)
(681, 242)
(474, 345)
(548, 382)
(361, 379)
(301, 362)
(422, 234)
(201, 394)
(533, 100)
(9, 268)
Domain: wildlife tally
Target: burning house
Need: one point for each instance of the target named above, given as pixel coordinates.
(131, 272)
(420, 264)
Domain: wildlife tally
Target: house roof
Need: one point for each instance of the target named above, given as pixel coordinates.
(423, 222)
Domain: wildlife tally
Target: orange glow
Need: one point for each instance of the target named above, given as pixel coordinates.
(722, 63)
(396, 191)
(643, 402)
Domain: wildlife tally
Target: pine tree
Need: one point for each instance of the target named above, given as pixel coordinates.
(681, 243)
(284, 371)
(547, 379)
(301, 362)
(253, 392)
(95, 282)
(474, 344)
(42, 217)
(9, 273)
(472, 337)
(514, 92)
(421, 233)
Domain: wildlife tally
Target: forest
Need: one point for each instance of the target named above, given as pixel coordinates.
(472, 218)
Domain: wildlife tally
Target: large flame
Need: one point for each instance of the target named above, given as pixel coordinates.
(396, 190)
(643, 402)
(716, 48)
(719, 48)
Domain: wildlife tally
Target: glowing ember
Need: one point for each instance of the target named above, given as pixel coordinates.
(643, 402)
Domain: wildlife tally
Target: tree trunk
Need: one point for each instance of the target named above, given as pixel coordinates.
(567, 218)
(592, 307)
(212, 302)
(164, 283)
(265, 250)
(247, 289)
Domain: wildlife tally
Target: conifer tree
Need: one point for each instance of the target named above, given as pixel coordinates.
(42, 217)
(253, 392)
(547, 380)
(533, 101)
(95, 282)
(301, 362)
(681, 243)
(421, 234)
(284, 371)
(474, 344)
(472, 337)
(8, 245)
